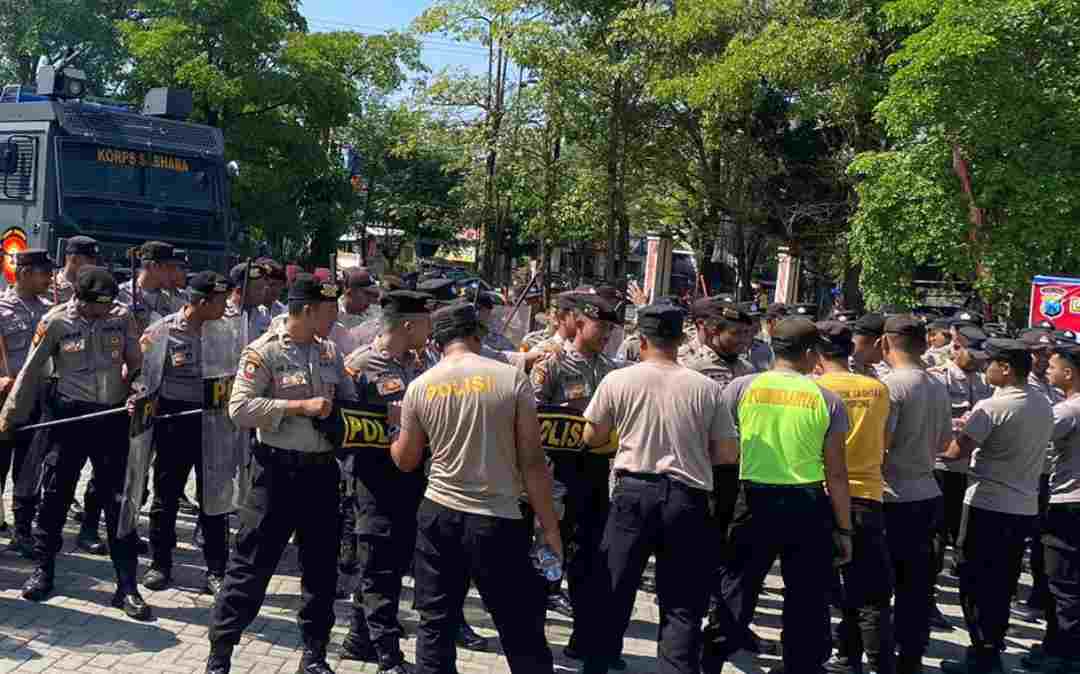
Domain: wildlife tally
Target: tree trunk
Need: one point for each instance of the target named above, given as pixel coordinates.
(614, 118)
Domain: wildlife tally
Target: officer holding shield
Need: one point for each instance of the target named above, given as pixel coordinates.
(180, 444)
(89, 341)
(21, 308)
(287, 378)
(256, 317)
(386, 498)
(79, 252)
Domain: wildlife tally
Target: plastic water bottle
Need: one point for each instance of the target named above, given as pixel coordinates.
(549, 563)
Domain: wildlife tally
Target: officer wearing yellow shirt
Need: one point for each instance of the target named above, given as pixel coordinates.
(867, 580)
(792, 443)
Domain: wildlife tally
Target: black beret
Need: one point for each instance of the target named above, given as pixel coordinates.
(82, 245)
(442, 289)
(1038, 340)
(182, 257)
(907, 326)
(1007, 350)
(795, 333)
(967, 316)
(872, 325)
(845, 316)
(236, 274)
(358, 279)
(404, 302)
(806, 310)
(835, 338)
(596, 308)
(454, 319)
(307, 288)
(566, 301)
(974, 336)
(158, 251)
(664, 321)
(96, 285)
(33, 257)
(1065, 336)
(609, 293)
(715, 308)
(942, 324)
(209, 282)
(751, 309)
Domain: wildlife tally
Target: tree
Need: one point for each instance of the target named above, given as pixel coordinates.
(982, 180)
(280, 95)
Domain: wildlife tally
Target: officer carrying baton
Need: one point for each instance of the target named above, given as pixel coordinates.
(517, 304)
(98, 415)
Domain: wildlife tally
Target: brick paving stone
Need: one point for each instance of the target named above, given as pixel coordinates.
(76, 630)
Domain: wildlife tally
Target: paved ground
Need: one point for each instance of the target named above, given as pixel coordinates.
(76, 631)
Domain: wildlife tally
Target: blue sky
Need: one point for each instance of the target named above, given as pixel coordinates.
(373, 16)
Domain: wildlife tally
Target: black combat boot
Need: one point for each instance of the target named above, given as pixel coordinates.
(220, 660)
(40, 584)
(313, 661)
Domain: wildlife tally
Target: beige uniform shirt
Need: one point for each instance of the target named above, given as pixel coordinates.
(88, 358)
(704, 359)
(274, 370)
(570, 378)
(19, 319)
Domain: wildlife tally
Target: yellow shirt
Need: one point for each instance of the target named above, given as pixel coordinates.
(867, 402)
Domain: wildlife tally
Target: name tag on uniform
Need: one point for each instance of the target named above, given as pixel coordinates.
(73, 345)
(293, 379)
(389, 386)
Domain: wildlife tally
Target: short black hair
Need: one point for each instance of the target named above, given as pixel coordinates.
(795, 352)
(296, 307)
(446, 337)
(662, 343)
(909, 344)
(1022, 366)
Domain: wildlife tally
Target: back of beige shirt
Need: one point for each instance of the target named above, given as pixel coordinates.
(468, 406)
(666, 416)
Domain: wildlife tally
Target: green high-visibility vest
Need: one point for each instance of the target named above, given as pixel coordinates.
(783, 420)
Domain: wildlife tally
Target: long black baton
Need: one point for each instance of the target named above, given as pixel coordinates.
(98, 415)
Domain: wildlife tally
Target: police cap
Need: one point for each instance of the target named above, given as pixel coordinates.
(274, 270)
(845, 316)
(307, 288)
(1038, 340)
(835, 338)
(359, 279)
(458, 319)
(974, 335)
(805, 310)
(1064, 336)
(609, 293)
(81, 245)
(941, 325)
(158, 251)
(663, 321)
(33, 258)
(1012, 351)
(870, 325)
(96, 285)
(717, 309)
(566, 301)
(208, 283)
(796, 332)
(596, 308)
(236, 274)
(751, 309)
(442, 289)
(905, 326)
(968, 316)
(402, 303)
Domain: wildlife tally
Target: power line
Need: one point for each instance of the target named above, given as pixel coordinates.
(376, 30)
(430, 48)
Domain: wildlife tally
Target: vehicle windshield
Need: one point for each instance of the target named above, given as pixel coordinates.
(147, 177)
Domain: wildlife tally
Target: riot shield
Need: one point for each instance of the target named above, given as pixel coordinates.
(140, 455)
(517, 328)
(154, 343)
(222, 442)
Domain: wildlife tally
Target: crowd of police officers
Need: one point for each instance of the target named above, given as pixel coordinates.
(716, 439)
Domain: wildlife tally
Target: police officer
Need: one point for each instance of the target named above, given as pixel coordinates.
(723, 331)
(159, 267)
(866, 602)
(21, 308)
(919, 427)
(761, 355)
(1010, 430)
(494, 339)
(569, 378)
(867, 332)
(564, 323)
(179, 442)
(479, 418)
(1061, 526)
(257, 317)
(359, 303)
(89, 341)
(276, 280)
(966, 386)
(386, 499)
(792, 434)
(286, 378)
(939, 338)
(672, 428)
(79, 252)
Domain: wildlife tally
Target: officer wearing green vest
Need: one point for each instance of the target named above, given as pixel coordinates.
(792, 446)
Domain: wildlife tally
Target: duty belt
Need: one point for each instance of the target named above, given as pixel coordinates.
(290, 458)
